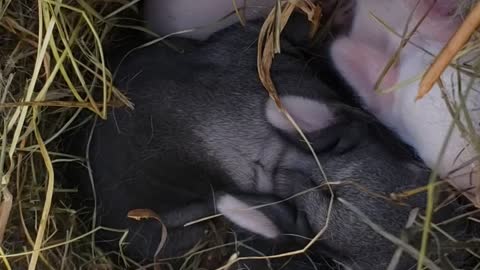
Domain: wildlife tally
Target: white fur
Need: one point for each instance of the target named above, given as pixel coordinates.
(423, 124)
(252, 220)
(309, 114)
(206, 16)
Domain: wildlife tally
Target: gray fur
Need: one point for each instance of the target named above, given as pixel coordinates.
(199, 130)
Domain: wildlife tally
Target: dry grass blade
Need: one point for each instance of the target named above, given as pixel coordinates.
(267, 48)
(406, 36)
(269, 204)
(139, 214)
(459, 39)
(48, 199)
(52, 60)
(269, 38)
(60, 103)
(267, 42)
(5, 209)
(409, 249)
(412, 192)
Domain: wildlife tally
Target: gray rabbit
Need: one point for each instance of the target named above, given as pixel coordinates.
(205, 138)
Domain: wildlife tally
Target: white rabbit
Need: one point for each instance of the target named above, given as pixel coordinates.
(361, 56)
(206, 16)
(199, 19)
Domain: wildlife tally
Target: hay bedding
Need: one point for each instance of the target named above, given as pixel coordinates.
(52, 67)
(51, 62)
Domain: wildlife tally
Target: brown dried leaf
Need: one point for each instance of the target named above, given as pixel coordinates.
(139, 214)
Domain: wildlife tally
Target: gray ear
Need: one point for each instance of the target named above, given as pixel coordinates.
(309, 114)
(252, 220)
(270, 220)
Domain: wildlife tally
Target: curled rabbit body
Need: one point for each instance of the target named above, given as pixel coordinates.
(425, 124)
(205, 138)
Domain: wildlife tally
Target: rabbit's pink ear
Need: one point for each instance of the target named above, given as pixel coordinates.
(441, 21)
(435, 8)
(361, 65)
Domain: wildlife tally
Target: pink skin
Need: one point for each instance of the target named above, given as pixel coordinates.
(361, 56)
(366, 80)
(440, 23)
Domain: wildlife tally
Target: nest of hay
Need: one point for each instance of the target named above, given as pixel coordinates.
(52, 67)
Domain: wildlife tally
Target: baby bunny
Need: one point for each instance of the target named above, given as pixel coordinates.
(425, 124)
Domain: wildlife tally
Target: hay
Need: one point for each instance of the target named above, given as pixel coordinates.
(52, 67)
